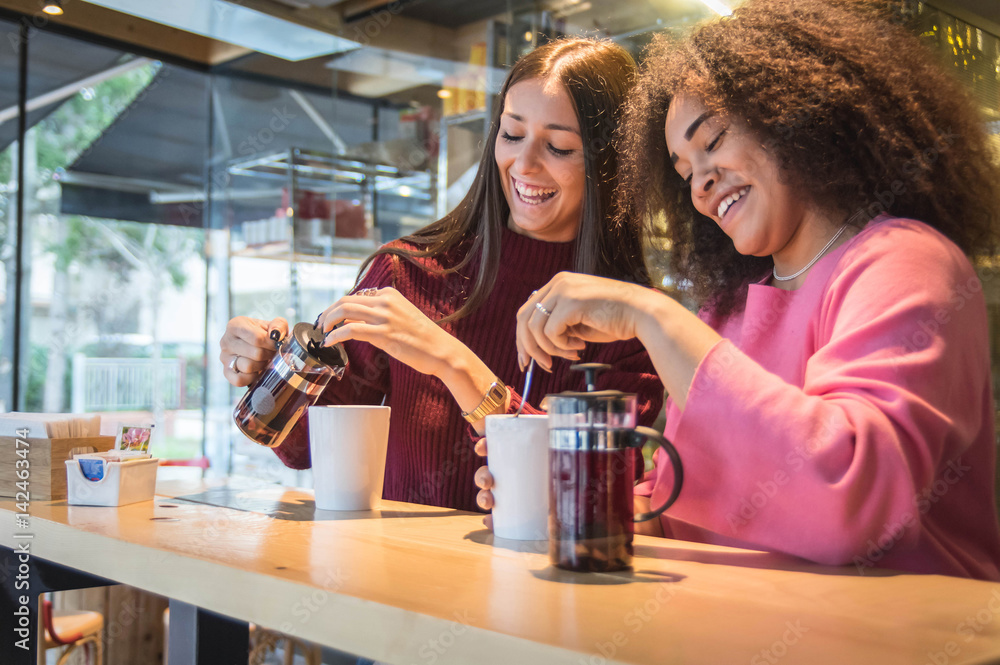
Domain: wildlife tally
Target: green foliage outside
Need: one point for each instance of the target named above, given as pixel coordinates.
(91, 256)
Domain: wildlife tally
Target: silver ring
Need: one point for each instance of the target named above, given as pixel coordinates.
(541, 308)
(232, 365)
(368, 292)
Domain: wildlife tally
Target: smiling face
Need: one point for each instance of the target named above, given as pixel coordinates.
(736, 183)
(539, 153)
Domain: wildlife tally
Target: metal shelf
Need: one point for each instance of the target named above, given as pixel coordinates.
(298, 240)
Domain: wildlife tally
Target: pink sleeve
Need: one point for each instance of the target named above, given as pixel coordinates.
(366, 380)
(893, 392)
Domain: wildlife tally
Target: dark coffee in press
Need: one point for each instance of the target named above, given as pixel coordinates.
(299, 372)
(593, 455)
(590, 520)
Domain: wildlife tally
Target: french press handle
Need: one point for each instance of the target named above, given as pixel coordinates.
(640, 435)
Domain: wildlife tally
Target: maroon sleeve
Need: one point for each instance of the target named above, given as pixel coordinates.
(632, 372)
(366, 380)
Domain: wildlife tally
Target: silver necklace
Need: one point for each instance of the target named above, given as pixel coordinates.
(774, 270)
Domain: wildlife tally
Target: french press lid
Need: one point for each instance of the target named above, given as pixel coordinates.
(591, 409)
(306, 342)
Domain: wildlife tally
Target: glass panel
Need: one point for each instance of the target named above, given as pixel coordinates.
(357, 164)
(9, 79)
(114, 174)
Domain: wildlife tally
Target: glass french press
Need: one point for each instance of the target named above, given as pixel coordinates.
(593, 442)
(299, 371)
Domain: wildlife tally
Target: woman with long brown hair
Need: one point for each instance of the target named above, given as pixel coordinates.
(824, 182)
(430, 325)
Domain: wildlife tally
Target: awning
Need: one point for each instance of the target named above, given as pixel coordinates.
(158, 148)
(55, 64)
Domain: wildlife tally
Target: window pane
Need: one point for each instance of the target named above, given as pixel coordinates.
(118, 278)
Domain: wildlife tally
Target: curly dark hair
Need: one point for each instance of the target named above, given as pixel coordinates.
(856, 112)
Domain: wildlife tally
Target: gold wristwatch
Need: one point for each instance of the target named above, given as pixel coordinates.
(495, 398)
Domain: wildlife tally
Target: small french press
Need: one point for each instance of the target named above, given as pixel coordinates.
(593, 442)
(299, 372)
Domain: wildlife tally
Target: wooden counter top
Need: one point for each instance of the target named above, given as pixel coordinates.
(416, 584)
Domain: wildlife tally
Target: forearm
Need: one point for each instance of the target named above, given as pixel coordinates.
(467, 377)
(676, 340)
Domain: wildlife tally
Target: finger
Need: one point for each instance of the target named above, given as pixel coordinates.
(238, 380)
(359, 331)
(279, 324)
(481, 447)
(245, 365)
(247, 338)
(488, 522)
(523, 340)
(251, 331)
(241, 365)
(527, 341)
(483, 478)
(259, 355)
(229, 349)
(349, 310)
(537, 327)
(576, 337)
(485, 499)
(557, 331)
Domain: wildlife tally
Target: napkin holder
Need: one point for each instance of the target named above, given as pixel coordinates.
(46, 464)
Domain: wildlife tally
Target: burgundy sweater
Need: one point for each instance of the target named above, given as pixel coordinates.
(430, 458)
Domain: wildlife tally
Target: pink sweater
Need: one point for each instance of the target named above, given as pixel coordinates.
(849, 421)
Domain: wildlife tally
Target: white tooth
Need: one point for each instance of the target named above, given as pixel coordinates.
(532, 192)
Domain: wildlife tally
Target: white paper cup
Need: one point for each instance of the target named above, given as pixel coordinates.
(518, 459)
(348, 445)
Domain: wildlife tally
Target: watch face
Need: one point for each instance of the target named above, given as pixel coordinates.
(494, 398)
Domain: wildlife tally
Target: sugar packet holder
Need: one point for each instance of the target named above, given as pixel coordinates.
(121, 479)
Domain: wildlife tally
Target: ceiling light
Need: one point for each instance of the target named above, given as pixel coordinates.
(233, 23)
(444, 93)
(53, 7)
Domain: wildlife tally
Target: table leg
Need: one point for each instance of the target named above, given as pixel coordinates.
(200, 637)
(25, 577)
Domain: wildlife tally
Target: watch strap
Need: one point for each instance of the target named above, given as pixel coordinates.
(494, 399)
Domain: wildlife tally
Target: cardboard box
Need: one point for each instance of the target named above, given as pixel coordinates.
(46, 464)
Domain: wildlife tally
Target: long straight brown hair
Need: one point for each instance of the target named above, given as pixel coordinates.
(597, 74)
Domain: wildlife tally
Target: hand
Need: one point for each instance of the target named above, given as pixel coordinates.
(393, 324)
(582, 308)
(248, 340)
(651, 527)
(484, 481)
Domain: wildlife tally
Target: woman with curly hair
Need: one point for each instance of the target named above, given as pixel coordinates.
(823, 183)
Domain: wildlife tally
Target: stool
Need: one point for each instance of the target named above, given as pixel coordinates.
(72, 629)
